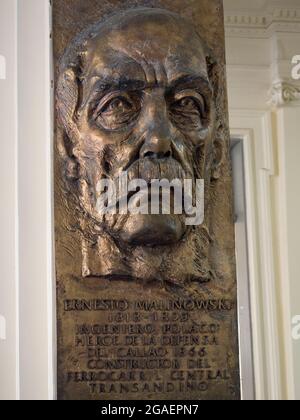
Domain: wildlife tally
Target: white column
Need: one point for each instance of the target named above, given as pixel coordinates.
(288, 191)
(37, 347)
(9, 388)
(285, 99)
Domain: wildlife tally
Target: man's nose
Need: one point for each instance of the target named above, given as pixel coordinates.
(158, 146)
(158, 139)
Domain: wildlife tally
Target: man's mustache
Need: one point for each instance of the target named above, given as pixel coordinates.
(149, 169)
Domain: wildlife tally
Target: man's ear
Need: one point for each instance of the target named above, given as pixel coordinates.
(218, 158)
(67, 97)
(67, 94)
(69, 161)
(218, 149)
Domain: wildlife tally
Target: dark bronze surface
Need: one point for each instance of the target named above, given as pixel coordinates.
(146, 306)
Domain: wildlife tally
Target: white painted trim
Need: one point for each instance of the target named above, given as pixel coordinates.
(37, 302)
(254, 127)
(51, 291)
(9, 224)
(285, 271)
(284, 244)
(242, 269)
(16, 214)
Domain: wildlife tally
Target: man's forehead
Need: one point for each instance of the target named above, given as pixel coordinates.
(123, 68)
(162, 50)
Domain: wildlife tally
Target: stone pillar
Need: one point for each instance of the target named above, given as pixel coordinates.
(146, 303)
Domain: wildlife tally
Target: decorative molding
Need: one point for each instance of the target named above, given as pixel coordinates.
(254, 128)
(283, 93)
(262, 24)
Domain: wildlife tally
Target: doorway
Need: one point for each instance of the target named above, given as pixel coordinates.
(244, 312)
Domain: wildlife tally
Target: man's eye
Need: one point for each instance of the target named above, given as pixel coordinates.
(118, 111)
(117, 104)
(188, 112)
(187, 104)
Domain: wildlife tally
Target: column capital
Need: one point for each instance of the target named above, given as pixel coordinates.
(284, 93)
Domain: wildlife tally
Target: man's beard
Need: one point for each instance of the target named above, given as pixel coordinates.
(146, 169)
(179, 263)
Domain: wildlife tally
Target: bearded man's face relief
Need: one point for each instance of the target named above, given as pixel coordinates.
(135, 96)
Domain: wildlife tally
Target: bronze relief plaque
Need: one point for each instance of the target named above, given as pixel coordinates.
(145, 258)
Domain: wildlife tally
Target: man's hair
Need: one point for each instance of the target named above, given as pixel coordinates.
(72, 64)
(69, 91)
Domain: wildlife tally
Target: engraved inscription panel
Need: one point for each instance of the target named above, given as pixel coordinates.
(146, 301)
